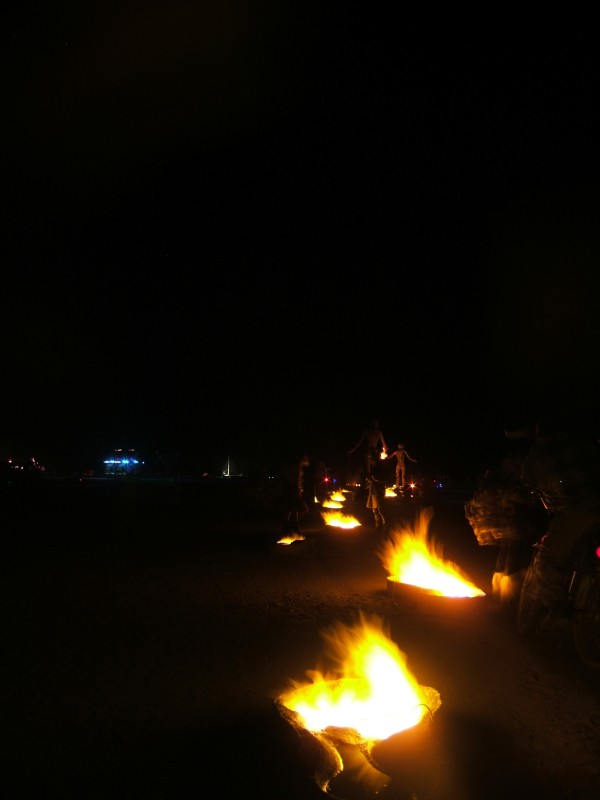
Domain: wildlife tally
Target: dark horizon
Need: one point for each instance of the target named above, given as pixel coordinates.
(252, 232)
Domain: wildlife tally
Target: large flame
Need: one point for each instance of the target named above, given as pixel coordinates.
(409, 556)
(339, 520)
(370, 690)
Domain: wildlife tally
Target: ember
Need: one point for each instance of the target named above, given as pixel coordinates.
(409, 556)
(371, 691)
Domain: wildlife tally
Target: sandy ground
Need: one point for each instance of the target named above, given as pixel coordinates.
(147, 640)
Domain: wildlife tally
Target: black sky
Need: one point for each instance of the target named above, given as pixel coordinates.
(239, 228)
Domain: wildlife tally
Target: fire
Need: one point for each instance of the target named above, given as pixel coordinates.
(383, 455)
(410, 557)
(371, 689)
(338, 520)
(506, 587)
(335, 500)
(337, 497)
(294, 537)
(389, 492)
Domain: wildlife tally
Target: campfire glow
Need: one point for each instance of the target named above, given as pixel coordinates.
(371, 689)
(338, 520)
(294, 537)
(410, 557)
(337, 497)
(506, 587)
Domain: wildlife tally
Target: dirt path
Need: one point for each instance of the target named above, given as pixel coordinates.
(155, 676)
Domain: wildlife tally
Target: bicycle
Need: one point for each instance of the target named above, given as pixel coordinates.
(583, 598)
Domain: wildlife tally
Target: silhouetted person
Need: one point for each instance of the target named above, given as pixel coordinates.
(505, 514)
(375, 498)
(563, 467)
(401, 454)
(369, 444)
(292, 498)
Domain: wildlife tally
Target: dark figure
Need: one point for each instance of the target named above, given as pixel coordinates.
(506, 514)
(292, 498)
(563, 468)
(375, 499)
(369, 444)
(401, 454)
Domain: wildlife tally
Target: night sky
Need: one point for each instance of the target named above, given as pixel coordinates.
(243, 228)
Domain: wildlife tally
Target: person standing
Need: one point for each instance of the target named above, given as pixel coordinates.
(369, 443)
(401, 454)
(375, 499)
(292, 497)
(563, 468)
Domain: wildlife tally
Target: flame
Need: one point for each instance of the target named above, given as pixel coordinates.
(371, 689)
(383, 455)
(337, 496)
(331, 504)
(293, 537)
(409, 557)
(389, 492)
(506, 587)
(339, 520)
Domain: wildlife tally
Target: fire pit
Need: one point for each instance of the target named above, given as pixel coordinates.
(423, 601)
(336, 519)
(416, 567)
(341, 717)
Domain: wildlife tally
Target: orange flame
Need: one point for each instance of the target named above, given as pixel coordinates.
(338, 520)
(331, 504)
(294, 537)
(337, 497)
(410, 557)
(389, 492)
(371, 689)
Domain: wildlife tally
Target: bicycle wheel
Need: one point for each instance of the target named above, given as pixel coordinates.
(586, 620)
(530, 608)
